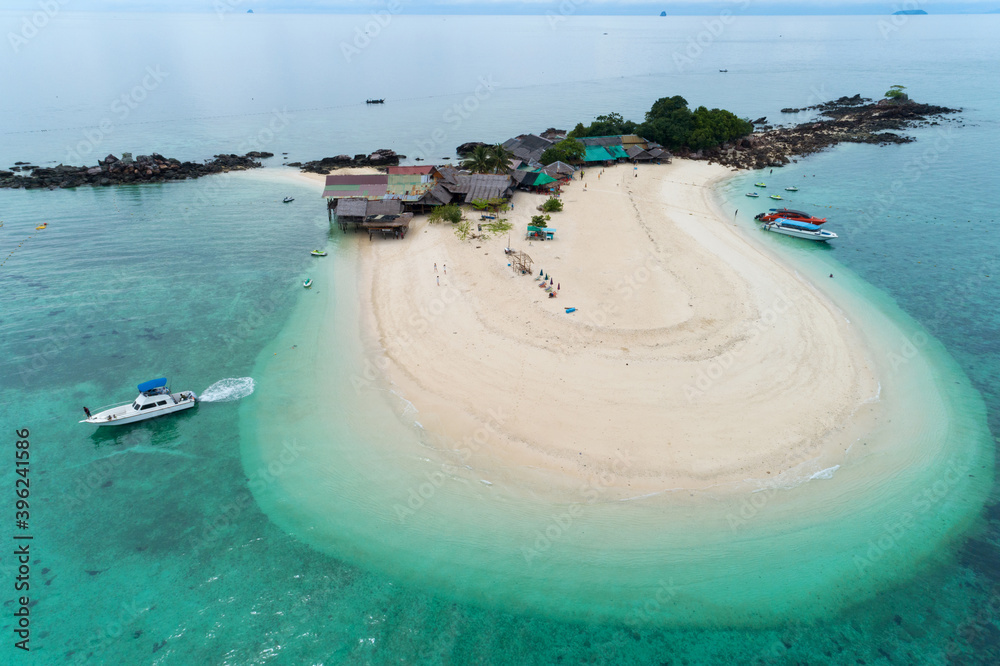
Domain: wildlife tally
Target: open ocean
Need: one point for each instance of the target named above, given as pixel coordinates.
(170, 542)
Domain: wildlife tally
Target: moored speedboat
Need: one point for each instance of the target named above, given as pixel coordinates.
(318, 253)
(799, 229)
(287, 200)
(154, 399)
(307, 283)
(776, 196)
(760, 185)
(752, 195)
(790, 214)
(792, 189)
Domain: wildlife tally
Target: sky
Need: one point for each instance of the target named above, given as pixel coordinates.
(564, 7)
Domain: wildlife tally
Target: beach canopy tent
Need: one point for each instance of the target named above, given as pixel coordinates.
(617, 151)
(540, 233)
(597, 154)
(619, 147)
(534, 178)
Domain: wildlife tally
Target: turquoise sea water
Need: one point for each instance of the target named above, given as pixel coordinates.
(183, 541)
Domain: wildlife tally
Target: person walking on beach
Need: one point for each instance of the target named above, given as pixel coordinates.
(438, 278)
(445, 267)
(435, 267)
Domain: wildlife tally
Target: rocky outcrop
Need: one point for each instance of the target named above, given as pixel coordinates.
(846, 120)
(383, 157)
(467, 148)
(152, 168)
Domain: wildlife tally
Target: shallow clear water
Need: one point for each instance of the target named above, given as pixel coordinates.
(150, 543)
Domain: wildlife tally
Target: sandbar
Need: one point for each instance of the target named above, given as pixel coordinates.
(694, 360)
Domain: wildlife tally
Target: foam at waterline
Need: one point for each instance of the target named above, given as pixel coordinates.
(363, 489)
(228, 390)
(825, 473)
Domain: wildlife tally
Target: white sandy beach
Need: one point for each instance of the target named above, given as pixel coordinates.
(693, 361)
(473, 432)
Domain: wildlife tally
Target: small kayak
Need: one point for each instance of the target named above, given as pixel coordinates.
(318, 253)
(752, 195)
(42, 225)
(568, 310)
(308, 283)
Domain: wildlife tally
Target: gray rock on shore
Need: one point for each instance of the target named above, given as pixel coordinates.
(153, 168)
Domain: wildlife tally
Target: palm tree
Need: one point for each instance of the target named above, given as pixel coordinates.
(500, 158)
(479, 161)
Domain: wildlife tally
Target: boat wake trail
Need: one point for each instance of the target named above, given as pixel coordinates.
(228, 390)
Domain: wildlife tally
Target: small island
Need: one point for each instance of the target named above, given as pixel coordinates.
(670, 127)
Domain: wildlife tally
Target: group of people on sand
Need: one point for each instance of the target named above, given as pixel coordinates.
(635, 172)
(438, 277)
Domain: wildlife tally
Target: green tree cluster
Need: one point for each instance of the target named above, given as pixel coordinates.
(450, 213)
(552, 205)
(463, 230)
(610, 125)
(671, 123)
(567, 150)
(496, 228)
(896, 93)
(488, 159)
(494, 205)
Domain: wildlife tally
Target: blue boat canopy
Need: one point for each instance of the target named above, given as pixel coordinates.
(805, 226)
(152, 384)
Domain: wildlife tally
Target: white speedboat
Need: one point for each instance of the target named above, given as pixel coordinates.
(799, 229)
(287, 200)
(154, 399)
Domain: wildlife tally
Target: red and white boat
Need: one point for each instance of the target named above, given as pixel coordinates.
(788, 214)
